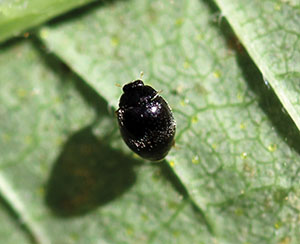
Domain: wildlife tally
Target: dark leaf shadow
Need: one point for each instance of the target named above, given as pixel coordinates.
(17, 220)
(178, 186)
(64, 17)
(268, 101)
(87, 174)
(81, 11)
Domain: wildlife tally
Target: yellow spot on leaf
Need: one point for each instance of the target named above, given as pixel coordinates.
(244, 155)
(277, 6)
(186, 65)
(172, 163)
(217, 74)
(277, 225)
(195, 160)
(114, 41)
(199, 37)
(272, 147)
(136, 156)
(21, 93)
(195, 119)
(179, 21)
(44, 33)
(242, 126)
(214, 145)
(239, 96)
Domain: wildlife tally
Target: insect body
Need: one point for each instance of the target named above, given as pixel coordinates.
(146, 121)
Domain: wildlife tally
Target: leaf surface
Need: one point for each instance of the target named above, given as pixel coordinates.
(19, 15)
(69, 181)
(236, 149)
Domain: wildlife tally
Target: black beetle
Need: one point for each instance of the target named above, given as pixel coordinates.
(146, 121)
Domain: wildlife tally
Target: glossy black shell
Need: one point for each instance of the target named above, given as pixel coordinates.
(146, 121)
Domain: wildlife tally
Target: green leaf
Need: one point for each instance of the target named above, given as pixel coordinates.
(19, 15)
(68, 180)
(270, 32)
(237, 152)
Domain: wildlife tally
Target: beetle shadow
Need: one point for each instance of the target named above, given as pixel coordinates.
(87, 174)
(267, 99)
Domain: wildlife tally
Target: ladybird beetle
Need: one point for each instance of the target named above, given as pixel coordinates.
(146, 121)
